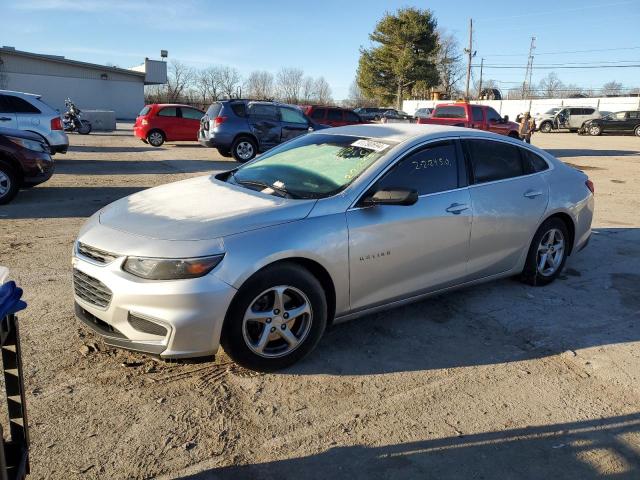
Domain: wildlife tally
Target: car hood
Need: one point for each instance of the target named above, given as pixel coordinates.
(198, 209)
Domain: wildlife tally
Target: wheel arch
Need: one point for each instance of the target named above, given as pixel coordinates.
(569, 223)
(13, 163)
(247, 135)
(314, 268)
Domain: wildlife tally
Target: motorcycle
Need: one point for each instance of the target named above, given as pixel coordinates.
(71, 120)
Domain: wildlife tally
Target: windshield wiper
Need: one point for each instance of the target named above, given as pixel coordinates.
(280, 190)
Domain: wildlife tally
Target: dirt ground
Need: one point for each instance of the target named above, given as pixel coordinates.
(497, 381)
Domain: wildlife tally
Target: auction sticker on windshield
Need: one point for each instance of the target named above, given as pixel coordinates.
(370, 145)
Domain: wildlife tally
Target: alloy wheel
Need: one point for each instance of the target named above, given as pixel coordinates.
(155, 138)
(244, 150)
(594, 130)
(277, 321)
(550, 252)
(5, 184)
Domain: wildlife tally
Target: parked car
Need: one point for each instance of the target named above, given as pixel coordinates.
(26, 111)
(167, 122)
(25, 161)
(331, 116)
(329, 226)
(569, 118)
(463, 114)
(244, 128)
(370, 113)
(620, 122)
(393, 114)
(423, 113)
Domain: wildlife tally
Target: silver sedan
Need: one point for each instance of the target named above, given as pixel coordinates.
(327, 227)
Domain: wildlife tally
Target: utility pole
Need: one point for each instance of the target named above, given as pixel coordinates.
(480, 85)
(526, 85)
(470, 54)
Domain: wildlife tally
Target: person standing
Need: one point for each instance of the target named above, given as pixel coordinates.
(526, 128)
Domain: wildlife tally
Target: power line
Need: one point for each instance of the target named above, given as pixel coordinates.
(562, 52)
(500, 67)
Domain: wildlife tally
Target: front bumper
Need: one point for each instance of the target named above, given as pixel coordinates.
(188, 314)
(37, 167)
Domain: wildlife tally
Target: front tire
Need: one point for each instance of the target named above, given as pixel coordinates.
(546, 127)
(9, 183)
(277, 317)
(155, 138)
(547, 253)
(595, 130)
(244, 149)
(637, 131)
(224, 152)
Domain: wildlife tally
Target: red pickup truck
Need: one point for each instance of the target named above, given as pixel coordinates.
(464, 114)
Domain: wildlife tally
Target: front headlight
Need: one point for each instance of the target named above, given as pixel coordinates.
(170, 268)
(29, 144)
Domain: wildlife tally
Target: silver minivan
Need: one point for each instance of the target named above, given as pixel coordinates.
(26, 111)
(568, 118)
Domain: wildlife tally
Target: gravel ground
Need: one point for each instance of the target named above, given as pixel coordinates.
(497, 381)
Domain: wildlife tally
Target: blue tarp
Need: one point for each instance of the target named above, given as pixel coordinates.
(10, 301)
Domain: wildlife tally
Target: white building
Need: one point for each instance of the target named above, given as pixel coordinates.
(90, 86)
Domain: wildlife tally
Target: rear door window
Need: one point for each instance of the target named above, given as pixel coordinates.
(318, 114)
(429, 170)
(334, 115)
(449, 112)
(492, 160)
(533, 163)
(588, 111)
(168, 112)
(19, 105)
(260, 111)
(478, 115)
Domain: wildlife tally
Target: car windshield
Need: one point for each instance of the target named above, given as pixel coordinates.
(312, 166)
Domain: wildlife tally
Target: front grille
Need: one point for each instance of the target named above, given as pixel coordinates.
(146, 326)
(91, 290)
(95, 254)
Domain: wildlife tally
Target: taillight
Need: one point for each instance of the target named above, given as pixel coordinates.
(219, 121)
(56, 123)
(144, 121)
(589, 185)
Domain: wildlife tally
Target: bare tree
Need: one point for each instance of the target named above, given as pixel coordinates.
(208, 84)
(357, 99)
(550, 86)
(449, 63)
(612, 89)
(322, 91)
(179, 78)
(230, 81)
(308, 91)
(289, 84)
(259, 85)
(572, 90)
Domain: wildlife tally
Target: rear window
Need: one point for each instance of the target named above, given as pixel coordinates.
(214, 110)
(318, 114)
(449, 112)
(144, 111)
(334, 115)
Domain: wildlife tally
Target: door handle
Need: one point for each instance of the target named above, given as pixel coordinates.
(457, 208)
(532, 194)
(5, 119)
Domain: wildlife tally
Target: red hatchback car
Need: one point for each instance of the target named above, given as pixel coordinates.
(332, 116)
(166, 122)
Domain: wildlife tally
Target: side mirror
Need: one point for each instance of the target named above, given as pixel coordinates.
(505, 118)
(310, 129)
(392, 196)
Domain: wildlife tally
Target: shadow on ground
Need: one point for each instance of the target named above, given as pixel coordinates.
(586, 152)
(572, 450)
(141, 167)
(97, 149)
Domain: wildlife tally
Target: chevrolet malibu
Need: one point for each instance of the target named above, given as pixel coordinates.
(326, 227)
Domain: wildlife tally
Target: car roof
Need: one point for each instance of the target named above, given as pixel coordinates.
(398, 132)
(13, 92)
(162, 105)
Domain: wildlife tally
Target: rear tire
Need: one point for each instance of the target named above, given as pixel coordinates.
(547, 254)
(545, 127)
(9, 183)
(155, 138)
(244, 149)
(258, 336)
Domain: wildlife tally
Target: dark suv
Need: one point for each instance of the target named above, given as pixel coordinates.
(243, 128)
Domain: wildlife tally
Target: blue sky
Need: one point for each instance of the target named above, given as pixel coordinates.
(323, 37)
